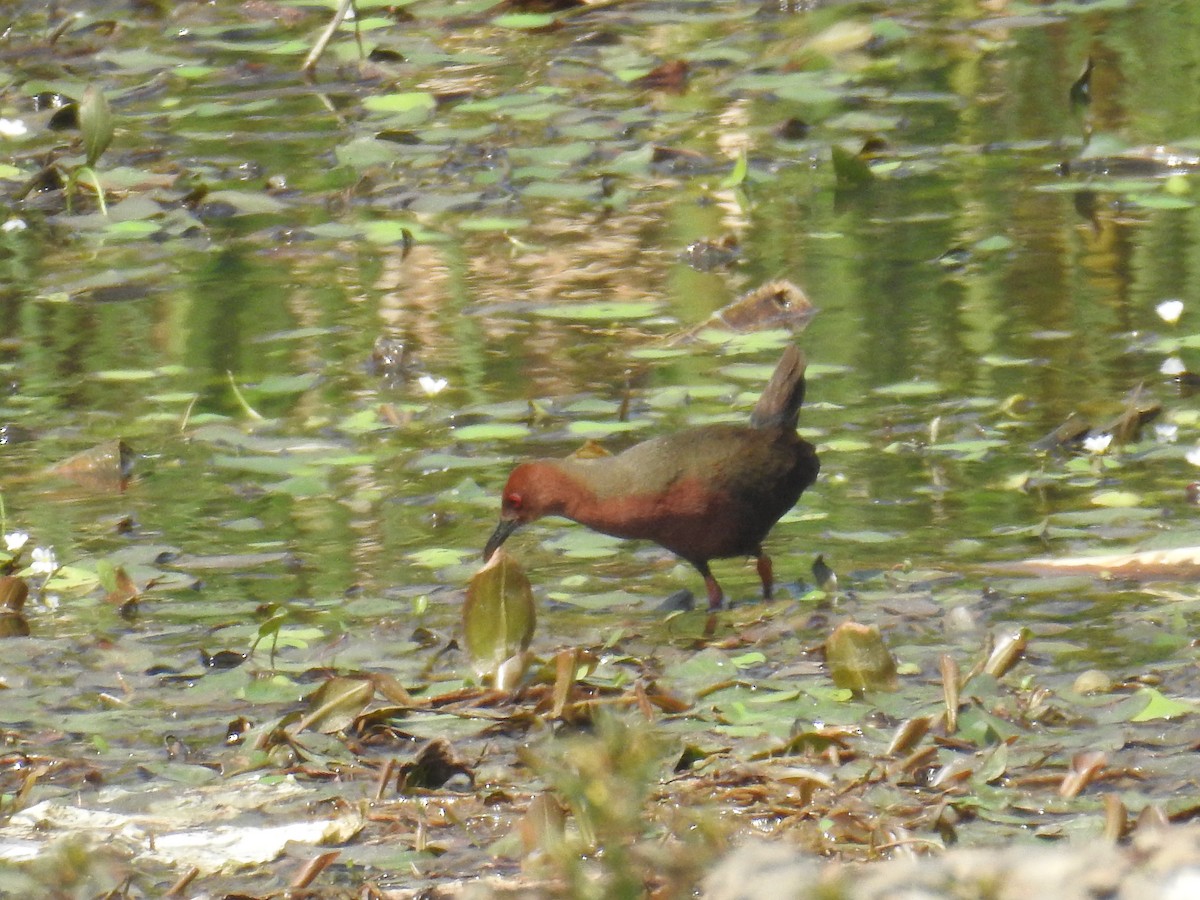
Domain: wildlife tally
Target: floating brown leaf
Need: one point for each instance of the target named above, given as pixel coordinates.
(13, 625)
(14, 592)
(1070, 432)
(670, 76)
(908, 734)
(951, 685)
(1084, 769)
(434, 765)
(776, 304)
(1180, 562)
(106, 466)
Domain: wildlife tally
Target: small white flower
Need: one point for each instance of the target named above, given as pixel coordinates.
(1172, 366)
(43, 562)
(1097, 443)
(1166, 432)
(1170, 311)
(1193, 456)
(432, 386)
(13, 128)
(13, 224)
(15, 541)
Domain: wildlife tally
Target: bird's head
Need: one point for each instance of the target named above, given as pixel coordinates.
(533, 490)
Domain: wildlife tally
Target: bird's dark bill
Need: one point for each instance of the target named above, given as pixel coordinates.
(499, 536)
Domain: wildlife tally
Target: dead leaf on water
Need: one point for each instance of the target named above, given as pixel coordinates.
(1179, 562)
(106, 466)
(13, 625)
(14, 592)
(434, 765)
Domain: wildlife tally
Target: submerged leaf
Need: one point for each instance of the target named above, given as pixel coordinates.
(335, 704)
(858, 659)
(851, 169)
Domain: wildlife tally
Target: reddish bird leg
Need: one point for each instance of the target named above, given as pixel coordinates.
(766, 573)
(716, 597)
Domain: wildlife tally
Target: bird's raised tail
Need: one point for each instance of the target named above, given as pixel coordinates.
(779, 405)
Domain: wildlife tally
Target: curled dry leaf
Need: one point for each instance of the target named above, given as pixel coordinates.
(1085, 767)
(951, 685)
(1007, 651)
(908, 734)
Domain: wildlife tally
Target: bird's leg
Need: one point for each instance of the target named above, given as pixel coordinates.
(716, 597)
(766, 573)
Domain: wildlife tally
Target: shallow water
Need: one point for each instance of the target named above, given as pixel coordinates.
(971, 297)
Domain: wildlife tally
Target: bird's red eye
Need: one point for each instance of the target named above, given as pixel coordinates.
(513, 501)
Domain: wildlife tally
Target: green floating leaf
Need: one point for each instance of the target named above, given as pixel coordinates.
(499, 618)
(524, 21)
(845, 445)
(493, 223)
(287, 384)
(96, 124)
(437, 557)
(407, 101)
(1162, 201)
(865, 536)
(909, 389)
(859, 660)
(1159, 706)
(1116, 499)
(737, 175)
(994, 244)
(491, 431)
(247, 202)
(599, 311)
(592, 429)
